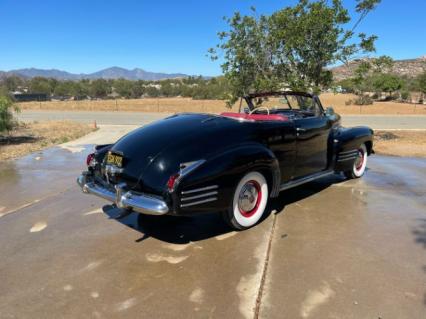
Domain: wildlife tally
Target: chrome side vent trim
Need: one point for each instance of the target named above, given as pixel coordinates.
(211, 199)
(346, 159)
(199, 195)
(348, 152)
(196, 190)
(184, 199)
(347, 156)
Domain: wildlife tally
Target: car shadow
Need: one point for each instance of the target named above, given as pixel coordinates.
(296, 194)
(419, 233)
(182, 230)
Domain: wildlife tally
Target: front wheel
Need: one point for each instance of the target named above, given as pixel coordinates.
(249, 201)
(359, 165)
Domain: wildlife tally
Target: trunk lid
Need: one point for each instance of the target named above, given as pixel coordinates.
(141, 147)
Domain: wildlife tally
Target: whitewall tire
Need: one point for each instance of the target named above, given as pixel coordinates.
(249, 201)
(360, 163)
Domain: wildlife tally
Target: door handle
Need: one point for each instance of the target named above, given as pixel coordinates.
(299, 129)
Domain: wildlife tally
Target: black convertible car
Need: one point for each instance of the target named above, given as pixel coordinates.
(231, 163)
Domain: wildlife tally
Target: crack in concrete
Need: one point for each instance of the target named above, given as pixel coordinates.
(265, 270)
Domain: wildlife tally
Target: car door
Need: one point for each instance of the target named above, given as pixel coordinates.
(312, 134)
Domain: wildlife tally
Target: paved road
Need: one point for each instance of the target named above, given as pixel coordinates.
(140, 118)
(329, 249)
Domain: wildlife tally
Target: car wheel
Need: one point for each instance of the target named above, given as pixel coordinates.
(249, 202)
(360, 163)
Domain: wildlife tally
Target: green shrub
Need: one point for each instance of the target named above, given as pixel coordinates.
(6, 116)
(363, 100)
(405, 95)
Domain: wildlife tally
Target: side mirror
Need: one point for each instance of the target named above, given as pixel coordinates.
(329, 111)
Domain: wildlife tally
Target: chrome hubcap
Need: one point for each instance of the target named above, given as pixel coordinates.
(360, 160)
(247, 199)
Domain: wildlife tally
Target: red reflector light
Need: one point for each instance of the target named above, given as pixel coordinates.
(89, 158)
(171, 182)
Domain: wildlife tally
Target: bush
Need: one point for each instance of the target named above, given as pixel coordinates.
(363, 100)
(405, 96)
(6, 116)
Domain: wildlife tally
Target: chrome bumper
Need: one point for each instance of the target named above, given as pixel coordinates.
(123, 199)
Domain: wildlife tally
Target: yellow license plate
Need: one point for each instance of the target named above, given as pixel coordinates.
(114, 159)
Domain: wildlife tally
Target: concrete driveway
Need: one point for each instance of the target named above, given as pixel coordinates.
(328, 249)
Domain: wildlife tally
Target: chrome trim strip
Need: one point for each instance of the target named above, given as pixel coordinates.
(346, 159)
(184, 199)
(347, 156)
(199, 202)
(185, 169)
(304, 180)
(196, 190)
(123, 199)
(347, 152)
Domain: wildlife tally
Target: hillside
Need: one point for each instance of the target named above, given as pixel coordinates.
(109, 73)
(409, 68)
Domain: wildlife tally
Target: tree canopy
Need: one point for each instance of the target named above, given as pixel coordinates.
(292, 47)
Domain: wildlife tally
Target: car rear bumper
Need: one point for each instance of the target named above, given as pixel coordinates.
(140, 203)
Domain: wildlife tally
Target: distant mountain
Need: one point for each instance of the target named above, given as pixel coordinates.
(109, 73)
(409, 68)
(135, 74)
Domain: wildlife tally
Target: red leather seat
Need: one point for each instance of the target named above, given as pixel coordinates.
(256, 117)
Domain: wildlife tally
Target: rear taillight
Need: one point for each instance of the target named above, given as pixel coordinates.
(90, 158)
(171, 182)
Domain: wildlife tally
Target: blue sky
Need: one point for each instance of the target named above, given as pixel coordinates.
(162, 36)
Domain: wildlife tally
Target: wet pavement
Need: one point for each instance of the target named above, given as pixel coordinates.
(328, 249)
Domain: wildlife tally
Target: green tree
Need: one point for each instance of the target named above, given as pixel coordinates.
(292, 47)
(137, 89)
(388, 83)
(100, 88)
(41, 85)
(167, 89)
(66, 88)
(421, 83)
(152, 91)
(361, 74)
(13, 82)
(6, 116)
(382, 64)
(82, 88)
(123, 87)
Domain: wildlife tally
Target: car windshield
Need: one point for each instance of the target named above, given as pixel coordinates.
(285, 102)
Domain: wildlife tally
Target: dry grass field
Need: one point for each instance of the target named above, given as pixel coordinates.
(31, 137)
(176, 105)
(400, 143)
(337, 101)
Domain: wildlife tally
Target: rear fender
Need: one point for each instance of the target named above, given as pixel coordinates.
(347, 140)
(225, 171)
(101, 150)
